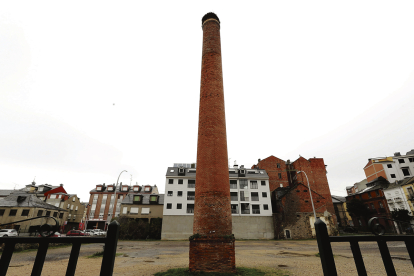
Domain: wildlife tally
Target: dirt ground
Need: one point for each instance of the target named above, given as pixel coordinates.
(148, 257)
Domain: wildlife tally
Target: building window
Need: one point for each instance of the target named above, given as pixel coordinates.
(39, 213)
(71, 207)
(190, 208)
(99, 188)
(265, 207)
(179, 206)
(145, 211)
(233, 196)
(191, 183)
(256, 209)
(411, 159)
(180, 181)
(61, 215)
(263, 183)
(389, 166)
(233, 184)
(401, 161)
(278, 165)
(154, 198)
(25, 212)
(48, 213)
(369, 195)
(243, 183)
(392, 175)
(134, 210)
(264, 194)
(170, 181)
(405, 171)
(169, 205)
(55, 214)
(255, 196)
(12, 212)
(2, 212)
(137, 198)
(372, 206)
(245, 208)
(170, 193)
(280, 175)
(235, 208)
(380, 204)
(124, 210)
(190, 195)
(377, 192)
(253, 184)
(180, 193)
(242, 197)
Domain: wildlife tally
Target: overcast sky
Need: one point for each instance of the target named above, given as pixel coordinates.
(91, 88)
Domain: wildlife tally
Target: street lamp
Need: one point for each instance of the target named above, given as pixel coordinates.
(310, 193)
(114, 208)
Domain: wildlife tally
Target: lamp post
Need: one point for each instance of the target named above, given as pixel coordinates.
(114, 208)
(310, 193)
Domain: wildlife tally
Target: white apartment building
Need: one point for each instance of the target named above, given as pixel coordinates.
(392, 168)
(250, 203)
(397, 199)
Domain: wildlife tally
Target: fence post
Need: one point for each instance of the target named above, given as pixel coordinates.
(108, 260)
(325, 249)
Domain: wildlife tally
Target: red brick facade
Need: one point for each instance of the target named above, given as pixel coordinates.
(212, 213)
(293, 208)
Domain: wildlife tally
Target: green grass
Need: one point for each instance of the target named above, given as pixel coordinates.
(100, 254)
(241, 271)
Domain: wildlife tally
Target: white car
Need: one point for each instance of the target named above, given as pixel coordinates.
(8, 233)
(88, 232)
(99, 232)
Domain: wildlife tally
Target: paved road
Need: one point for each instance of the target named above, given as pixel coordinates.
(146, 258)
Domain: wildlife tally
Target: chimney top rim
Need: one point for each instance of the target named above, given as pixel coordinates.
(210, 15)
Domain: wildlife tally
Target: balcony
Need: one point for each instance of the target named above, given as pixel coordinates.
(244, 199)
(190, 211)
(233, 186)
(233, 198)
(256, 211)
(234, 211)
(255, 198)
(398, 199)
(245, 211)
(191, 185)
(190, 197)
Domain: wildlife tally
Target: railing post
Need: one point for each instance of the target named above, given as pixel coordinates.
(325, 249)
(111, 242)
(6, 257)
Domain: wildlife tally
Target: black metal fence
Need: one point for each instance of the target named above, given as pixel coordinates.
(108, 260)
(327, 258)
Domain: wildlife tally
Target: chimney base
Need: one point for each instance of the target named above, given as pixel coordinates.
(212, 255)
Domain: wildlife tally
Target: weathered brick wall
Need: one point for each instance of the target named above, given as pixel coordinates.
(212, 255)
(276, 169)
(316, 171)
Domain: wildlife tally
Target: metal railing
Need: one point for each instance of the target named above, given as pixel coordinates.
(327, 258)
(108, 260)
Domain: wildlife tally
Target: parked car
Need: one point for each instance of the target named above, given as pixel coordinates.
(55, 235)
(99, 232)
(88, 232)
(8, 233)
(75, 233)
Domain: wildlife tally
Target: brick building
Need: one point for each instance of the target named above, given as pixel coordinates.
(292, 208)
(105, 203)
(374, 199)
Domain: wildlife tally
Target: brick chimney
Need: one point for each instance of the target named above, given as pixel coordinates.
(212, 249)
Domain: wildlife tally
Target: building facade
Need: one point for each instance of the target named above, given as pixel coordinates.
(105, 202)
(142, 206)
(251, 207)
(21, 205)
(72, 204)
(392, 168)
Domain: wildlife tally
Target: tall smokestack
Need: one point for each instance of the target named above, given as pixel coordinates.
(213, 249)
